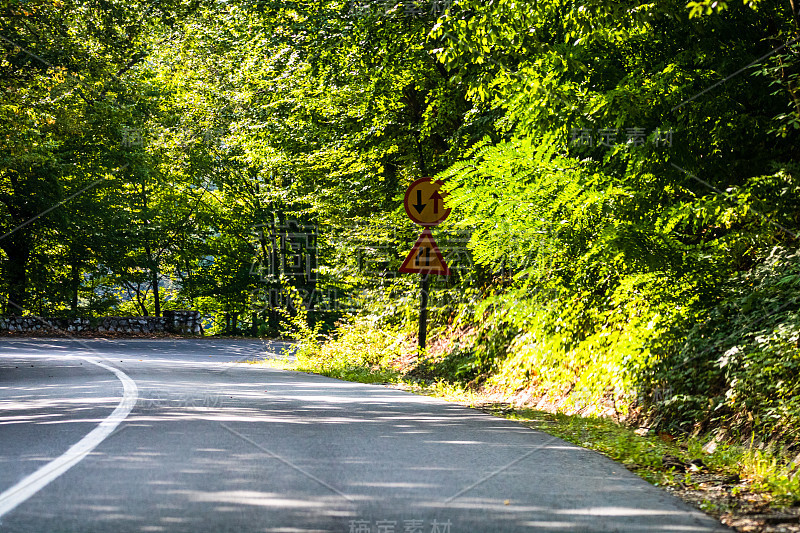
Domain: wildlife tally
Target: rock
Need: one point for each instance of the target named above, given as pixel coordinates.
(695, 465)
(670, 461)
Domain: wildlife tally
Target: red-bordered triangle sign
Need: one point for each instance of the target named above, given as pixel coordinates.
(425, 257)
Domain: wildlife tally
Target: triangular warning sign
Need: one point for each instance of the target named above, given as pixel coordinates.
(425, 257)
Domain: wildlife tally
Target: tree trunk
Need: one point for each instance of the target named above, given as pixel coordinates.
(153, 279)
(152, 261)
(75, 278)
(18, 250)
(254, 324)
(141, 300)
(156, 294)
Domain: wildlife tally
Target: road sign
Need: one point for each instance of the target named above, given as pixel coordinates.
(424, 202)
(425, 257)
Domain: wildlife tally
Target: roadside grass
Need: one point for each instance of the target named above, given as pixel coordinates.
(360, 375)
(642, 454)
(283, 363)
(771, 472)
(344, 372)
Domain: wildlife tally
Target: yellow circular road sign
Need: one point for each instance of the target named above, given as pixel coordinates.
(424, 202)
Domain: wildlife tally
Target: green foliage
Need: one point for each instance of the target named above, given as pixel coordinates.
(769, 472)
(239, 116)
(738, 365)
(598, 272)
(605, 257)
(577, 258)
(296, 326)
(359, 351)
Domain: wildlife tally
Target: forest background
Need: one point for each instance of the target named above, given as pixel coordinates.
(623, 177)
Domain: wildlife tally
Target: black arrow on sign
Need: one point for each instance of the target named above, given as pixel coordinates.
(419, 206)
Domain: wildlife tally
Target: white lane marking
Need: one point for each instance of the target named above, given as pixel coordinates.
(35, 482)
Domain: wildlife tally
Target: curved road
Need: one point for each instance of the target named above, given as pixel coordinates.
(195, 441)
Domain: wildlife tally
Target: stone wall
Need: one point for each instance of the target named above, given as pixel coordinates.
(183, 322)
(133, 324)
(180, 322)
(32, 324)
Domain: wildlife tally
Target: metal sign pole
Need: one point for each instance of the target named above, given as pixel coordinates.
(425, 257)
(424, 283)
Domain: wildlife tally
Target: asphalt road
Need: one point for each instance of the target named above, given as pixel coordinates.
(178, 435)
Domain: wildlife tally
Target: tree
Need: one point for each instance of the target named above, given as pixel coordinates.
(64, 66)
